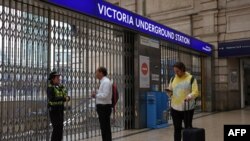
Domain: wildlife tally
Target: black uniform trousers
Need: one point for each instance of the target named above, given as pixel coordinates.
(104, 113)
(56, 118)
(178, 117)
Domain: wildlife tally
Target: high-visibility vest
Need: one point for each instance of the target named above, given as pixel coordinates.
(59, 92)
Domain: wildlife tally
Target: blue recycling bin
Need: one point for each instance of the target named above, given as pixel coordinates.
(157, 107)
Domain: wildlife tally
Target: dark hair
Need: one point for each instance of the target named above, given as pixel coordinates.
(52, 75)
(103, 71)
(180, 66)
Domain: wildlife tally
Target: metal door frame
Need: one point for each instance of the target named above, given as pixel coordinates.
(51, 38)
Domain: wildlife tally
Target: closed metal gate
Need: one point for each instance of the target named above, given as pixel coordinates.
(36, 38)
(170, 54)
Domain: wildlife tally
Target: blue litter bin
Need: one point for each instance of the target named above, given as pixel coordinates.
(157, 105)
(151, 110)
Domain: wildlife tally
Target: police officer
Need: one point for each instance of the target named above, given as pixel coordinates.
(57, 95)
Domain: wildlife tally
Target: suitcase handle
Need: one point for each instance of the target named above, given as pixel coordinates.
(185, 108)
(186, 111)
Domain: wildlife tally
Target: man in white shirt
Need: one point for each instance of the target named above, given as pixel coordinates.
(103, 103)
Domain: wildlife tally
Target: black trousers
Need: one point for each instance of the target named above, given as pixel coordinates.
(178, 117)
(56, 118)
(104, 113)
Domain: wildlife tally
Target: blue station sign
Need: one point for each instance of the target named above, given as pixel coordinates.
(237, 48)
(108, 12)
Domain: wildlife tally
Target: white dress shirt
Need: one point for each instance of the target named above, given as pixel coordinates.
(104, 93)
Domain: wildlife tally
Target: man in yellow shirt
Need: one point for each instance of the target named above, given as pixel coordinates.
(183, 87)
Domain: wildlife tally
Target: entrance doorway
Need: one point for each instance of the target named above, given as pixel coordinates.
(34, 41)
(245, 82)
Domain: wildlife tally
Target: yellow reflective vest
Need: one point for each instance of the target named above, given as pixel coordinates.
(56, 96)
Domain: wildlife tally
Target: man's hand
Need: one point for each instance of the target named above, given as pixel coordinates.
(93, 95)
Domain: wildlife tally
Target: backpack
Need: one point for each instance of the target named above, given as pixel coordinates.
(115, 95)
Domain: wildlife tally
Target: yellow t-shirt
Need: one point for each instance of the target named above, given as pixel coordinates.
(182, 87)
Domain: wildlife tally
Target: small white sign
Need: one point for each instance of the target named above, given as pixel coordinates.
(149, 42)
(155, 77)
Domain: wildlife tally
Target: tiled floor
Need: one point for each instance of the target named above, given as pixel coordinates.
(212, 122)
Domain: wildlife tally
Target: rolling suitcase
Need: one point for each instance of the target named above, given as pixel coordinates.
(193, 134)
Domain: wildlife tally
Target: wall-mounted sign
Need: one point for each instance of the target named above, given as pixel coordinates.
(144, 72)
(149, 42)
(114, 14)
(238, 48)
(155, 77)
